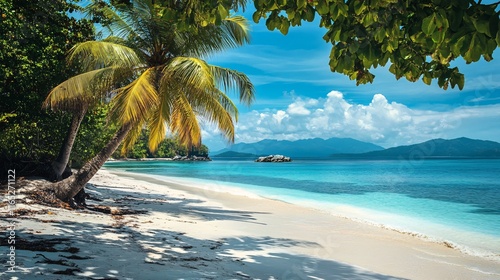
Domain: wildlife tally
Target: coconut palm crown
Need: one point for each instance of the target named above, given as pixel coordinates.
(155, 74)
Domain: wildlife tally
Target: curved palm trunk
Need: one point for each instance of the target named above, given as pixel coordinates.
(61, 162)
(69, 187)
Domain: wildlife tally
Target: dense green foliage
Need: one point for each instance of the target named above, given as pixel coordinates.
(34, 39)
(95, 131)
(418, 38)
(168, 148)
(190, 14)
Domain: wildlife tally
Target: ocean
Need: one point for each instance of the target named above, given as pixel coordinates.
(456, 202)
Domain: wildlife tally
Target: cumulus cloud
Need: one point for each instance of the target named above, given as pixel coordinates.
(381, 121)
(278, 117)
(299, 108)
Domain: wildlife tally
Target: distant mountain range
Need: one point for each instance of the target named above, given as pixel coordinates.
(436, 148)
(231, 154)
(308, 148)
(348, 148)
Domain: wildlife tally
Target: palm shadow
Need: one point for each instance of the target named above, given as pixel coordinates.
(125, 253)
(97, 250)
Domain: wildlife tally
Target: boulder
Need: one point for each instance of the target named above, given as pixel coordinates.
(274, 158)
(191, 158)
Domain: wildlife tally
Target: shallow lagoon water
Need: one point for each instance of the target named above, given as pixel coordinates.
(457, 201)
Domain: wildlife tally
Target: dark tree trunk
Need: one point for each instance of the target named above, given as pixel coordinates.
(60, 164)
(69, 187)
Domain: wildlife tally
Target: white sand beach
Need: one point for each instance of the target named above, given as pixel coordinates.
(167, 230)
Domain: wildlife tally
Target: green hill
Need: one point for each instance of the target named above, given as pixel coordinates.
(436, 148)
(231, 154)
(306, 148)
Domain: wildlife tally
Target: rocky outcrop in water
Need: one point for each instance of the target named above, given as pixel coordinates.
(274, 158)
(190, 158)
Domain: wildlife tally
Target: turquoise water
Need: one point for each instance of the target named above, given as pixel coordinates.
(457, 201)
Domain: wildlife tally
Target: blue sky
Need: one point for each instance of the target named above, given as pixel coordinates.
(298, 97)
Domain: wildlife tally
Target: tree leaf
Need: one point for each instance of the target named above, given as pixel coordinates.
(256, 17)
(359, 7)
(498, 38)
(379, 35)
(334, 11)
(460, 81)
(456, 20)
(465, 44)
(222, 11)
(438, 36)
(493, 26)
(482, 25)
(259, 4)
(310, 14)
(301, 4)
(429, 24)
(491, 45)
(368, 19)
(427, 79)
(322, 7)
(475, 48)
(285, 25)
(281, 3)
(343, 9)
(353, 47)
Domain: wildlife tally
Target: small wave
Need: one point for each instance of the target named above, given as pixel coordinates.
(446, 243)
(264, 192)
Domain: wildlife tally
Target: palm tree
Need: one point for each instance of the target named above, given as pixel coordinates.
(157, 77)
(60, 164)
(84, 91)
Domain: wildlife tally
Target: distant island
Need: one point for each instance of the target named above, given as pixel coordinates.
(307, 148)
(235, 155)
(433, 149)
(348, 148)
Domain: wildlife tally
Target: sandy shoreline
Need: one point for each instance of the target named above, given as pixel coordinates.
(181, 232)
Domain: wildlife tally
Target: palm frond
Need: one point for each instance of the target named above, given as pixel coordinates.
(157, 127)
(189, 71)
(237, 29)
(114, 23)
(131, 138)
(238, 5)
(133, 102)
(184, 122)
(116, 40)
(212, 39)
(139, 17)
(217, 108)
(85, 88)
(233, 80)
(98, 54)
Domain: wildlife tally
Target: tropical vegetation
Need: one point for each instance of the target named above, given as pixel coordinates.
(420, 40)
(144, 68)
(155, 77)
(34, 38)
(168, 148)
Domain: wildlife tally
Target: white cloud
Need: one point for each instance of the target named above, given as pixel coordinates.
(279, 116)
(380, 122)
(299, 107)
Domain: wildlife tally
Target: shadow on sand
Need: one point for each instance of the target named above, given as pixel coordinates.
(124, 252)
